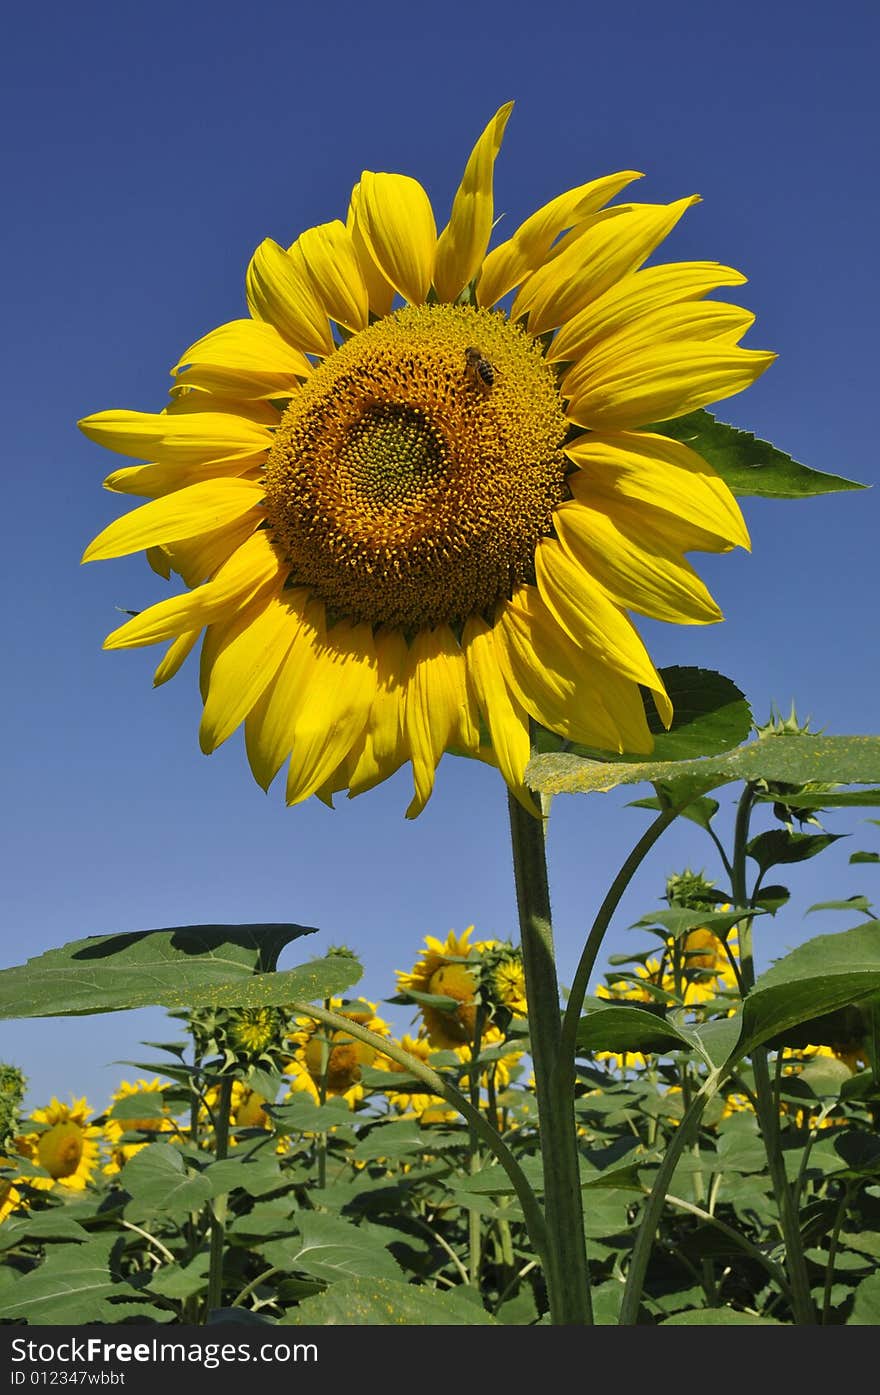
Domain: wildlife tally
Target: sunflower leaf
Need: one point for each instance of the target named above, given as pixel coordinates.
(748, 465)
(380, 1302)
(188, 966)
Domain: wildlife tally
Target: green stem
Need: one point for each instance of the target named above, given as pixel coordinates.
(475, 1237)
(768, 1115)
(773, 1269)
(438, 1085)
(566, 1271)
(218, 1207)
(590, 953)
(832, 1253)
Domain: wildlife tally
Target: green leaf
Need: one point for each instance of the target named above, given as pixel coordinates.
(160, 1184)
(824, 799)
(791, 758)
(829, 972)
(40, 1227)
(331, 1248)
(630, 1028)
(254, 1175)
(393, 1140)
(778, 845)
(302, 1115)
(852, 903)
(70, 1287)
(181, 1280)
(866, 1307)
(390, 1303)
(748, 465)
(188, 966)
(718, 1317)
(678, 920)
(864, 857)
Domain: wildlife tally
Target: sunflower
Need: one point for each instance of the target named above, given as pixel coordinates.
(10, 1196)
(65, 1146)
(330, 1061)
(151, 1122)
(441, 970)
(413, 495)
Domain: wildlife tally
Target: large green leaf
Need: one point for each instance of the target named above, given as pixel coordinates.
(748, 465)
(711, 715)
(866, 1308)
(187, 966)
(70, 1287)
(718, 1317)
(824, 974)
(159, 1183)
(41, 1227)
(331, 1248)
(625, 1027)
(792, 758)
(390, 1303)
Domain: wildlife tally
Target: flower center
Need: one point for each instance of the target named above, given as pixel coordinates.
(60, 1149)
(412, 476)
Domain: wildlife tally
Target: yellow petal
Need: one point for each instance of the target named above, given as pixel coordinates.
(152, 481)
(508, 264)
(383, 749)
(196, 509)
(395, 218)
(250, 570)
(657, 384)
(379, 289)
(636, 566)
(271, 724)
(252, 347)
(507, 721)
(613, 244)
(590, 617)
(178, 439)
(463, 242)
(634, 296)
(645, 469)
(246, 661)
(196, 559)
(335, 707)
(561, 686)
(439, 710)
(177, 652)
(327, 258)
(280, 292)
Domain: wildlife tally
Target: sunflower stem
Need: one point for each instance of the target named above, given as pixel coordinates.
(566, 1270)
(218, 1206)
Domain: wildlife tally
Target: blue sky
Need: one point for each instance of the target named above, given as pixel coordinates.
(149, 150)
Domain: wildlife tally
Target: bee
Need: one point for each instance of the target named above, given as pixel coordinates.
(480, 369)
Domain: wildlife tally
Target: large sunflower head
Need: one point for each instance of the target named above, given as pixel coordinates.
(413, 495)
(122, 1124)
(450, 969)
(64, 1145)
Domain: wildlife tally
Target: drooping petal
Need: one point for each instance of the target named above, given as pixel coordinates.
(327, 258)
(196, 509)
(439, 710)
(152, 481)
(558, 683)
(635, 566)
(507, 721)
(395, 217)
(255, 567)
(176, 655)
(634, 296)
(508, 264)
(280, 292)
(613, 244)
(663, 381)
(246, 661)
(587, 613)
(186, 438)
(335, 707)
(271, 724)
(463, 242)
(643, 468)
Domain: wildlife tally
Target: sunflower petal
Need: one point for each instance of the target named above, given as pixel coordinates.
(178, 439)
(176, 655)
(327, 258)
(508, 264)
(336, 704)
(253, 348)
(152, 481)
(463, 242)
(397, 223)
(246, 661)
(641, 468)
(199, 508)
(661, 382)
(507, 721)
(439, 710)
(379, 289)
(271, 724)
(635, 565)
(613, 244)
(280, 292)
(383, 749)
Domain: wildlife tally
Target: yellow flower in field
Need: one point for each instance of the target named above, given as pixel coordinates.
(330, 1061)
(439, 971)
(508, 985)
(413, 494)
(409, 1102)
(10, 1197)
(66, 1147)
(114, 1128)
(627, 990)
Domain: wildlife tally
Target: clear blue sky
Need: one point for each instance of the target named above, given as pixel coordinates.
(148, 150)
